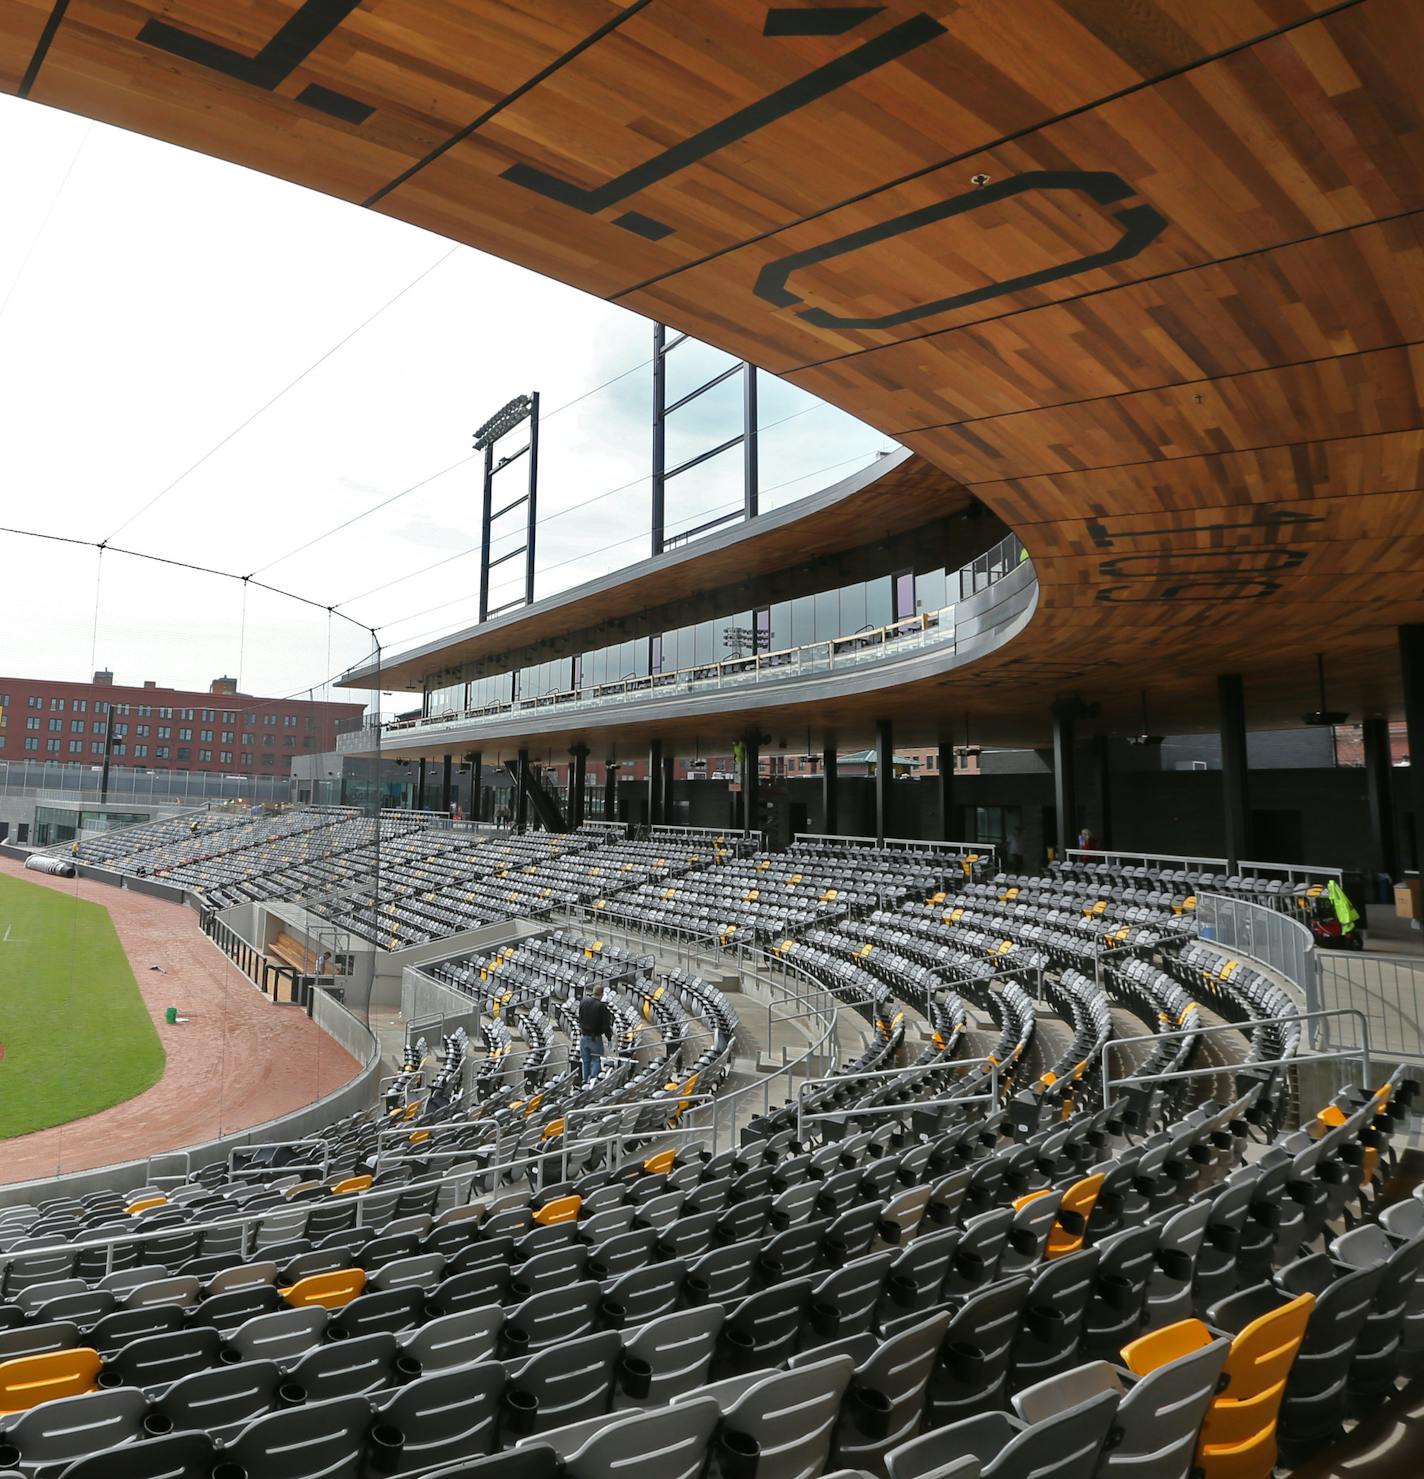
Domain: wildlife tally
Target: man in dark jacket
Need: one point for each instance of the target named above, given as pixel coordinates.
(595, 1023)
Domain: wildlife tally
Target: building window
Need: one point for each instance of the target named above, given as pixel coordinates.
(160, 752)
(145, 711)
(308, 742)
(32, 744)
(184, 754)
(229, 716)
(209, 715)
(185, 734)
(268, 740)
(247, 739)
(225, 757)
(228, 736)
(52, 746)
(186, 714)
(120, 748)
(120, 730)
(56, 726)
(311, 723)
(81, 706)
(122, 709)
(31, 722)
(902, 588)
(289, 721)
(34, 703)
(96, 749)
(267, 759)
(206, 756)
(247, 759)
(165, 731)
(270, 720)
(76, 747)
(100, 707)
(290, 741)
(76, 726)
(142, 731)
(140, 752)
(165, 713)
(56, 706)
(98, 728)
(206, 736)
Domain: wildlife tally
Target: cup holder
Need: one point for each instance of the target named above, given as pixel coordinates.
(870, 1412)
(635, 1377)
(157, 1424)
(520, 1410)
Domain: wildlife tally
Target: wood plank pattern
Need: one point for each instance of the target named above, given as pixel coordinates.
(1178, 328)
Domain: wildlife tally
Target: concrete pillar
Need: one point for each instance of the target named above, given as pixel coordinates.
(1384, 856)
(445, 785)
(1411, 663)
(1103, 777)
(751, 775)
(669, 761)
(1065, 774)
(946, 791)
(1236, 812)
(420, 787)
(521, 799)
(476, 776)
(830, 779)
(610, 792)
(884, 775)
(578, 782)
(655, 783)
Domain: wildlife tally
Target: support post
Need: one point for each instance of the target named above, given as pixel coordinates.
(946, 791)
(486, 517)
(659, 436)
(1411, 662)
(1236, 815)
(655, 783)
(884, 775)
(1065, 775)
(445, 784)
(750, 478)
(476, 768)
(1102, 775)
(669, 762)
(521, 787)
(751, 774)
(420, 786)
(830, 801)
(1384, 856)
(578, 780)
(610, 791)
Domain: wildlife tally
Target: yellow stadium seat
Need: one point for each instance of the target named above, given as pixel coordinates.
(561, 1209)
(351, 1185)
(146, 1203)
(330, 1290)
(1073, 1213)
(29, 1380)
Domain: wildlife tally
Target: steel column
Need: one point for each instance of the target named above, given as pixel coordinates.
(830, 802)
(1411, 663)
(1065, 774)
(750, 483)
(659, 436)
(669, 761)
(610, 792)
(476, 760)
(884, 775)
(1236, 815)
(578, 780)
(1102, 774)
(420, 788)
(1384, 856)
(946, 791)
(751, 774)
(445, 785)
(655, 783)
(521, 786)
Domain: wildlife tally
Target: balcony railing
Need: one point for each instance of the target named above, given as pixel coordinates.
(926, 629)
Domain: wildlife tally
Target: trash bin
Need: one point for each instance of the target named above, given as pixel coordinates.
(170, 1015)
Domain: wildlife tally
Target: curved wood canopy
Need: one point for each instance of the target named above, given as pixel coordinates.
(1147, 278)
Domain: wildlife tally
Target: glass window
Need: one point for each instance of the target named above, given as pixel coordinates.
(184, 754)
(828, 615)
(52, 746)
(803, 621)
(56, 706)
(879, 611)
(32, 744)
(56, 726)
(34, 703)
(160, 752)
(853, 609)
(140, 752)
(903, 594)
(31, 722)
(930, 590)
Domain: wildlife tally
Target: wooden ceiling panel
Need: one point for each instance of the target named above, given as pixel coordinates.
(1286, 140)
(1174, 339)
(1306, 301)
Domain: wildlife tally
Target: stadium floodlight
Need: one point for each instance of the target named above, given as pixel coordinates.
(1323, 716)
(504, 420)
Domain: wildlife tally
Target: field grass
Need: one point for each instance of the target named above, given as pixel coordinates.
(76, 1035)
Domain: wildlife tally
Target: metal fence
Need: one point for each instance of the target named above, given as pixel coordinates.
(1388, 989)
(1275, 939)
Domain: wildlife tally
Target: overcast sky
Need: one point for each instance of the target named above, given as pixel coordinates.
(153, 300)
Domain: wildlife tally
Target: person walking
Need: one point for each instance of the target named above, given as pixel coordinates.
(595, 1024)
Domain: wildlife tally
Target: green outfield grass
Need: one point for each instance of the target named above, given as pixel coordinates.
(76, 1034)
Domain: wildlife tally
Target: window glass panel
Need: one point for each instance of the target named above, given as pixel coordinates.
(827, 615)
(852, 608)
(877, 602)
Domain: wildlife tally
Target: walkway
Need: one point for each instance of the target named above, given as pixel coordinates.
(235, 1060)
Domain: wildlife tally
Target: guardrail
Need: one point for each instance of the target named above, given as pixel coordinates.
(1276, 940)
(1387, 989)
(1285, 872)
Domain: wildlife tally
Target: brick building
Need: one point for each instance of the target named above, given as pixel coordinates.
(217, 731)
